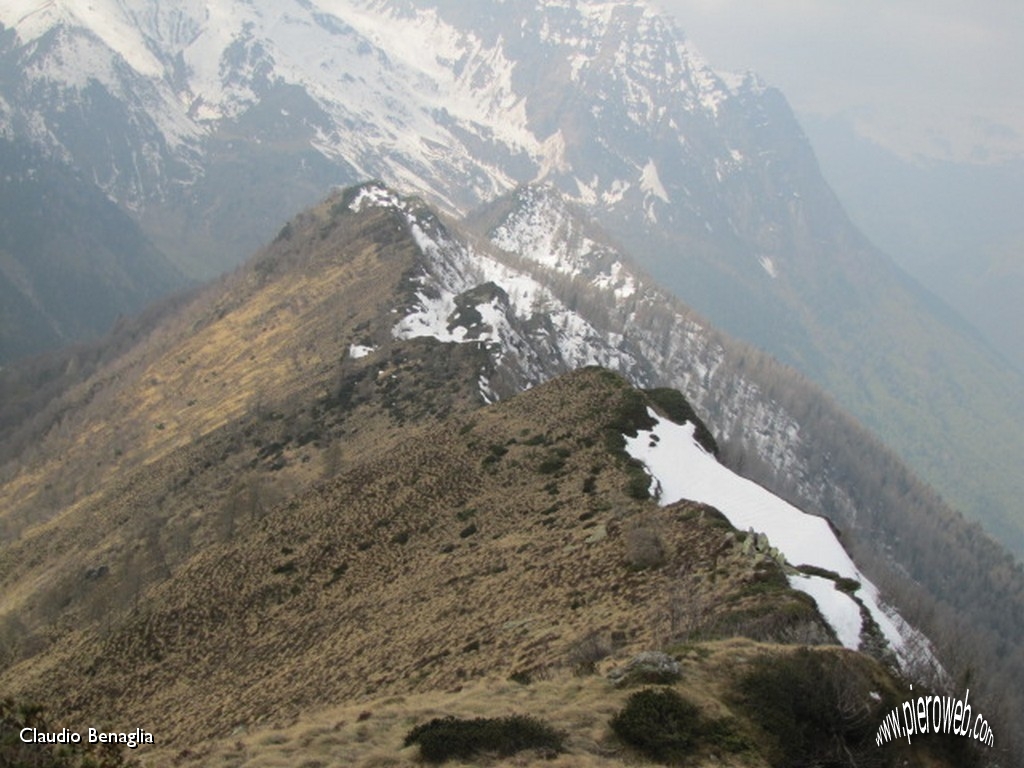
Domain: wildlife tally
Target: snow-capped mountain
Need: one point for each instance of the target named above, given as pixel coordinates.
(212, 122)
(506, 294)
(456, 104)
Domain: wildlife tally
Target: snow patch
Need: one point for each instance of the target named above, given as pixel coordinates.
(618, 280)
(552, 156)
(839, 609)
(615, 192)
(682, 469)
(650, 182)
(375, 196)
(357, 351)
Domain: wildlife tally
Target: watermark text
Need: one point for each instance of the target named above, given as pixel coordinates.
(935, 714)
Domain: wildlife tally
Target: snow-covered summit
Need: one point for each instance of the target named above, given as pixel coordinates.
(466, 295)
(124, 32)
(452, 102)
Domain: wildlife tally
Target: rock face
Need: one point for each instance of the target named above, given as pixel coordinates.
(647, 668)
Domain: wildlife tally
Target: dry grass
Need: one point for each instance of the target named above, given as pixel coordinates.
(245, 343)
(245, 346)
(431, 561)
(284, 528)
(370, 734)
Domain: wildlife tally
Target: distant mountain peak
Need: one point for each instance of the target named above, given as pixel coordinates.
(418, 77)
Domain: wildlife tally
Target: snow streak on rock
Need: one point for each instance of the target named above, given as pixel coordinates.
(681, 469)
(465, 296)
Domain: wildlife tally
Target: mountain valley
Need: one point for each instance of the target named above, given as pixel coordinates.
(71, 262)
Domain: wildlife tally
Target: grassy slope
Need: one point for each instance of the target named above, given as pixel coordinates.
(269, 528)
(413, 584)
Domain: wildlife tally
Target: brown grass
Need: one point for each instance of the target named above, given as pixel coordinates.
(424, 566)
(371, 733)
(293, 539)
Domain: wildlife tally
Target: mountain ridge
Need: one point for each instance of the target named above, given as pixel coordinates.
(301, 365)
(209, 131)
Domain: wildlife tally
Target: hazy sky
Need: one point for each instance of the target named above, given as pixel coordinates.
(924, 77)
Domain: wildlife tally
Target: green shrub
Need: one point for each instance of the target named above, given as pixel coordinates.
(495, 452)
(402, 537)
(450, 738)
(843, 583)
(813, 705)
(725, 734)
(659, 723)
(465, 514)
(630, 415)
(551, 464)
(521, 676)
(638, 486)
